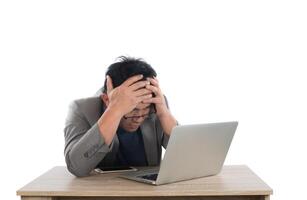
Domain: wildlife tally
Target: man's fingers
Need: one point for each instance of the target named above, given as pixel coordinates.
(142, 92)
(153, 89)
(152, 100)
(142, 105)
(142, 98)
(138, 85)
(109, 84)
(154, 81)
(132, 80)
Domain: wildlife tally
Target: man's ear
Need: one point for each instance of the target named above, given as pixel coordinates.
(104, 97)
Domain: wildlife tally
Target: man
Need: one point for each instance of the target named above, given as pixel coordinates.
(125, 125)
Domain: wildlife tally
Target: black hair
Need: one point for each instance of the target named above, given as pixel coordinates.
(125, 68)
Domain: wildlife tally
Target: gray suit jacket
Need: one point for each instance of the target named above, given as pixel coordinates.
(85, 148)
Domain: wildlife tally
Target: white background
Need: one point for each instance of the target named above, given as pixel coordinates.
(216, 61)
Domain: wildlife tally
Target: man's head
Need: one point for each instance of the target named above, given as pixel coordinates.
(119, 72)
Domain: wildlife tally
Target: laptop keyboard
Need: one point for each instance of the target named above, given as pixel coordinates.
(152, 177)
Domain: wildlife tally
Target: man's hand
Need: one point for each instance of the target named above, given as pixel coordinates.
(128, 95)
(167, 120)
(158, 100)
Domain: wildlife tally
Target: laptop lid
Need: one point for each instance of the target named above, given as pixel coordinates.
(195, 151)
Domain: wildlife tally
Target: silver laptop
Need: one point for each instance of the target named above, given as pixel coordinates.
(193, 151)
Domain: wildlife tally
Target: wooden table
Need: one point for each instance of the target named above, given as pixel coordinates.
(233, 183)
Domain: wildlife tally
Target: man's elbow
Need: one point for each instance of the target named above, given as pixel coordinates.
(77, 172)
(76, 169)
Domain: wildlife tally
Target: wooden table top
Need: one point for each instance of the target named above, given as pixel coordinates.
(233, 180)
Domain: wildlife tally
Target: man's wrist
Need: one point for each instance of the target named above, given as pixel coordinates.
(164, 113)
(114, 111)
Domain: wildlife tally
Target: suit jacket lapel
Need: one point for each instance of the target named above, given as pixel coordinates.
(150, 141)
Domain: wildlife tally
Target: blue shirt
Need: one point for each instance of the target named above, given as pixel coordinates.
(131, 150)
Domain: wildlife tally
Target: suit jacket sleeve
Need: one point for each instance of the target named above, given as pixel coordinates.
(165, 137)
(84, 145)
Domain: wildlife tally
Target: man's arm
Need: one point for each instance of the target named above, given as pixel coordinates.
(167, 120)
(85, 146)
